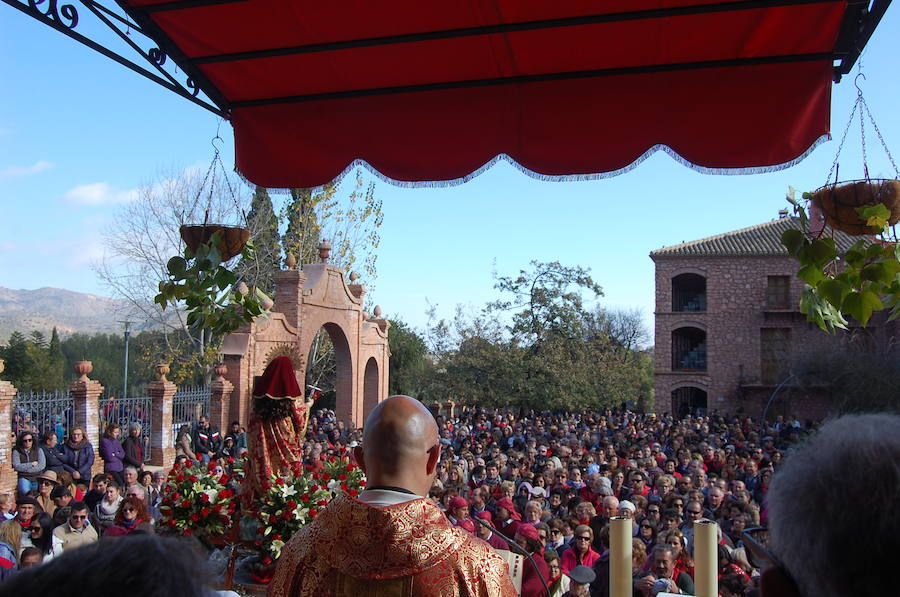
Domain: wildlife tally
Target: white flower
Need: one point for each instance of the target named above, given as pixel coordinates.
(276, 546)
(333, 484)
(212, 493)
(287, 490)
(300, 513)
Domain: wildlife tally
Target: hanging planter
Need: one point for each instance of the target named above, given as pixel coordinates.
(231, 240)
(840, 202)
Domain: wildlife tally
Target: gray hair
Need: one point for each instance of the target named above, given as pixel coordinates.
(132, 469)
(134, 427)
(661, 548)
(814, 506)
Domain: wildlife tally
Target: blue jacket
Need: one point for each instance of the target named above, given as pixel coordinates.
(8, 563)
(79, 460)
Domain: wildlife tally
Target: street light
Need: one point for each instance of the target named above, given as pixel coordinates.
(127, 325)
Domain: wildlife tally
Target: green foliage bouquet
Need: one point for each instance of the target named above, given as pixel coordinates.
(292, 501)
(196, 501)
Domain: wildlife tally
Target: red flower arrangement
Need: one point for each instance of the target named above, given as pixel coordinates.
(194, 500)
(292, 501)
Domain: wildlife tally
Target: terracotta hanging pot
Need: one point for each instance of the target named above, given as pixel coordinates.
(838, 202)
(232, 239)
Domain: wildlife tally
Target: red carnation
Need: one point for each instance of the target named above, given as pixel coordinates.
(266, 486)
(312, 512)
(276, 537)
(304, 497)
(353, 493)
(204, 498)
(267, 560)
(259, 530)
(224, 479)
(186, 504)
(186, 532)
(350, 468)
(344, 487)
(192, 478)
(204, 511)
(323, 502)
(176, 496)
(342, 477)
(332, 459)
(171, 522)
(180, 478)
(287, 515)
(230, 460)
(362, 482)
(280, 481)
(326, 477)
(291, 504)
(217, 508)
(257, 543)
(195, 517)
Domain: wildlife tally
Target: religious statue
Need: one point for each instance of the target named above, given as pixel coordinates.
(278, 418)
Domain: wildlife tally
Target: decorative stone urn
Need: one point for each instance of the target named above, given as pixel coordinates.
(2, 365)
(220, 370)
(377, 311)
(162, 370)
(290, 261)
(324, 250)
(83, 369)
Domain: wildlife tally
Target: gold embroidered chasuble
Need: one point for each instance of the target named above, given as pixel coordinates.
(353, 549)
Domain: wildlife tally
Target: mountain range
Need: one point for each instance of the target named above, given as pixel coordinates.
(69, 311)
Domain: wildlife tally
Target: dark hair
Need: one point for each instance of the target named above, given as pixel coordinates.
(31, 551)
(146, 564)
(100, 478)
(47, 435)
(270, 410)
(108, 432)
(45, 542)
(78, 506)
(21, 437)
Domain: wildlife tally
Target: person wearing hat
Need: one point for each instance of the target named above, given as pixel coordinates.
(508, 519)
(46, 482)
(390, 539)
(580, 578)
(534, 576)
(277, 426)
(25, 513)
(457, 510)
(485, 533)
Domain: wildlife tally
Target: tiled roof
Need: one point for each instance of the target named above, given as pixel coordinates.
(761, 239)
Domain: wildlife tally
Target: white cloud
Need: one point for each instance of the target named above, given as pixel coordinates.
(99, 193)
(20, 171)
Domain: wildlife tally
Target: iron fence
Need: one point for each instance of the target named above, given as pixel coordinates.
(187, 406)
(125, 411)
(42, 411)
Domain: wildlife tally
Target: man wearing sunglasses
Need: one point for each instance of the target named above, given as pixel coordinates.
(77, 530)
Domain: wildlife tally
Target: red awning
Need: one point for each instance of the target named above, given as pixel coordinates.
(427, 91)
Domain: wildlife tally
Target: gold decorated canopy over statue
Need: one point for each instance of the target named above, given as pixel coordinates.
(278, 418)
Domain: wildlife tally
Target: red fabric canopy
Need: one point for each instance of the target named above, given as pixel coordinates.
(432, 91)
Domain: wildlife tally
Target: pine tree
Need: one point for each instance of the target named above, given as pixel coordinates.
(57, 361)
(263, 224)
(16, 356)
(303, 227)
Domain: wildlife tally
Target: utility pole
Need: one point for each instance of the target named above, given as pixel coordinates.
(127, 325)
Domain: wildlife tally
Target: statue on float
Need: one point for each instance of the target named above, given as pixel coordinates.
(278, 418)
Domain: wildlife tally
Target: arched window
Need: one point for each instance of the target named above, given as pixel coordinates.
(688, 349)
(689, 293)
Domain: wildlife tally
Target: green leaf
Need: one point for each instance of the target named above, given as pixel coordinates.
(176, 266)
(833, 291)
(861, 305)
(874, 215)
(793, 239)
(811, 274)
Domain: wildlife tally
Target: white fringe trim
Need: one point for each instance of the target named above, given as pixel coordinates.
(362, 164)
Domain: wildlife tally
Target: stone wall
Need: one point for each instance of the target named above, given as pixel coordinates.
(736, 312)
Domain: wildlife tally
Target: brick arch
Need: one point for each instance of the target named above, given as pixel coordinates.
(689, 270)
(306, 300)
(371, 387)
(685, 323)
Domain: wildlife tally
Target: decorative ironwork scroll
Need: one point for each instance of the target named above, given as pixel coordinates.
(157, 64)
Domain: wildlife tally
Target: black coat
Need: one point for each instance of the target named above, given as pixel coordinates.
(54, 458)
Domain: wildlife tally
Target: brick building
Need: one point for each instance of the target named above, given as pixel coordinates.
(728, 324)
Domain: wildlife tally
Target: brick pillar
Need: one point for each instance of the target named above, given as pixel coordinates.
(7, 474)
(220, 399)
(289, 294)
(85, 394)
(162, 438)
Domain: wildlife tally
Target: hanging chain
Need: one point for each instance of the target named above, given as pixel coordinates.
(881, 139)
(837, 155)
(862, 135)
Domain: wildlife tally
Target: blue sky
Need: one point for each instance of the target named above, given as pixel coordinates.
(78, 133)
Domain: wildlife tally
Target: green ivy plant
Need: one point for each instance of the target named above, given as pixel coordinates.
(213, 296)
(858, 282)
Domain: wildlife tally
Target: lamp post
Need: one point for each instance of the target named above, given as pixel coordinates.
(127, 325)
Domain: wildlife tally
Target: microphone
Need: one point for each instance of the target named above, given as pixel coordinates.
(516, 548)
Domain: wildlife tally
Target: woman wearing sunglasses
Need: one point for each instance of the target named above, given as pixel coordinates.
(131, 517)
(28, 461)
(41, 536)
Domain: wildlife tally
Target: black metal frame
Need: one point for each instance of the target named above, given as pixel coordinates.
(64, 17)
(860, 20)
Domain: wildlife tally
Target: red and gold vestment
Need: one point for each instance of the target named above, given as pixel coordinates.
(405, 550)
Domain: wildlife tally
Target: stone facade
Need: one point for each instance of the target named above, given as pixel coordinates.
(748, 321)
(307, 300)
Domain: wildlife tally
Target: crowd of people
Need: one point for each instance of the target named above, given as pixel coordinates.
(551, 482)
(548, 482)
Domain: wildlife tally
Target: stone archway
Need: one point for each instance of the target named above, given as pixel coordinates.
(314, 297)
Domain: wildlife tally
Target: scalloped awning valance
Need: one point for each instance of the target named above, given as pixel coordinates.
(428, 91)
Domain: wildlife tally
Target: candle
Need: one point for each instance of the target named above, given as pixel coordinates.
(620, 557)
(706, 558)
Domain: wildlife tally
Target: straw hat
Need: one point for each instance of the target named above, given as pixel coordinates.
(49, 476)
